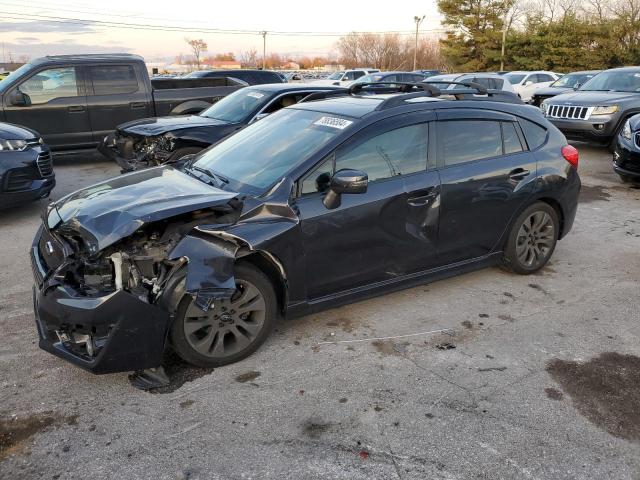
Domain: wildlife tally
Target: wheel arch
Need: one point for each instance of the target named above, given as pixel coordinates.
(190, 106)
(271, 266)
(558, 209)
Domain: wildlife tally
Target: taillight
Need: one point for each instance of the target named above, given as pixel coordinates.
(570, 154)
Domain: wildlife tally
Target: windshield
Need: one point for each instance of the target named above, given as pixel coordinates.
(614, 80)
(15, 74)
(238, 106)
(515, 78)
(570, 80)
(335, 76)
(258, 156)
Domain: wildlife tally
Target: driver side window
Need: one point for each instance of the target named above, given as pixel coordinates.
(397, 152)
(50, 84)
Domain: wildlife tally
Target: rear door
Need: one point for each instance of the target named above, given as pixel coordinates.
(389, 231)
(487, 175)
(116, 94)
(57, 108)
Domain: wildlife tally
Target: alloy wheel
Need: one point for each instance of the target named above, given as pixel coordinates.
(231, 326)
(535, 240)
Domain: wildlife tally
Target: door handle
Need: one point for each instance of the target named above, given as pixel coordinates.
(421, 200)
(518, 174)
(76, 108)
(135, 105)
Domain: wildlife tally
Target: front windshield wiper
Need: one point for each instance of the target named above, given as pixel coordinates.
(216, 176)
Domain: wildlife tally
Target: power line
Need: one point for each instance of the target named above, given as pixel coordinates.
(175, 28)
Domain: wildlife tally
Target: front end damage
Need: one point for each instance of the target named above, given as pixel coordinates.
(109, 310)
(136, 152)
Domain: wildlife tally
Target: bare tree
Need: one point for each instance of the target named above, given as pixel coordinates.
(197, 47)
(249, 58)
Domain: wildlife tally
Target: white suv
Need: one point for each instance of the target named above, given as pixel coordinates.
(527, 83)
(346, 78)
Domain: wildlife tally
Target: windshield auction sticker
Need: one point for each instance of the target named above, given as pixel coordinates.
(333, 122)
(255, 94)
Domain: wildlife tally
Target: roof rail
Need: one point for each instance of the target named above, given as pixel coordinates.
(495, 95)
(324, 94)
(404, 87)
(481, 89)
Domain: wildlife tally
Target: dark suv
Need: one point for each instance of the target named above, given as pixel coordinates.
(598, 110)
(26, 170)
(320, 204)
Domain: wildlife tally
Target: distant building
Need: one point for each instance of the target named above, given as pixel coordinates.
(222, 64)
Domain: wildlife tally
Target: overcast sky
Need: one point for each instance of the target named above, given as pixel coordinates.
(44, 27)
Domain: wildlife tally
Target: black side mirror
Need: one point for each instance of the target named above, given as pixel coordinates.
(577, 86)
(19, 99)
(345, 181)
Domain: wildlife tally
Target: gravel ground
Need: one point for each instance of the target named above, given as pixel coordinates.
(540, 378)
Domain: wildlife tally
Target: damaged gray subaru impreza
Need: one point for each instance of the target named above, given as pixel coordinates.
(317, 205)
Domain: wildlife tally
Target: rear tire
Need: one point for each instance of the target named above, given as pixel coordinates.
(232, 329)
(183, 152)
(532, 239)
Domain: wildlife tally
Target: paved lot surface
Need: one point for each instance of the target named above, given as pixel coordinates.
(540, 379)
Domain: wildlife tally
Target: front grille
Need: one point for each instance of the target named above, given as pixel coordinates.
(569, 112)
(45, 165)
(18, 180)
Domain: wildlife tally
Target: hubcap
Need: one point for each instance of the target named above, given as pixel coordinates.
(230, 326)
(535, 240)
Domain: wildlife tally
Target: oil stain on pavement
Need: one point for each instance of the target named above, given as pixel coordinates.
(593, 193)
(15, 432)
(606, 390)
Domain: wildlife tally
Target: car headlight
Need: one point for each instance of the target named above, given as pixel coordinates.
(12, 145)
(543, 107)
(605, 110)
(626, 130)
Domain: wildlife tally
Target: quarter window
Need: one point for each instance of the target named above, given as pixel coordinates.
(50, 84)
(534, 133)
(468, 140)
(113, 79)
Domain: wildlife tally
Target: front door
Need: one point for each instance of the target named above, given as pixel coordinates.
(57, 107)
(487, 175)
(387, 232)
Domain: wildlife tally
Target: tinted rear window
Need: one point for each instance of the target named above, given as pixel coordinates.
(468, 140)
(113, 79)
(533, 133)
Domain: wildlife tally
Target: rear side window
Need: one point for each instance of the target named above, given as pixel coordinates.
(535, 135)
(510, 138)
(113, 79)
(467, 140)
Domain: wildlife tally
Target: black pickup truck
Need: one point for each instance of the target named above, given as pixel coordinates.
(73, 101)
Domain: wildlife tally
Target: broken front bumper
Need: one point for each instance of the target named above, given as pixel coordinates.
(116, 332)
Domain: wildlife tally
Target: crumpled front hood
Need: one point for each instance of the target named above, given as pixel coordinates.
(588, 99)
(109, 211)
(160, 125)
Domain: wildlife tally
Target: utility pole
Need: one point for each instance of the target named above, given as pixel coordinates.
(264, 49)
(418, 21)
(504, 40)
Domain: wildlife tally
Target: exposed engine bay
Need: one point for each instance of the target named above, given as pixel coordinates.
(139, 152)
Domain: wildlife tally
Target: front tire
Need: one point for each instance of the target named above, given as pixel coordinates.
(532, 239)
(233, 328)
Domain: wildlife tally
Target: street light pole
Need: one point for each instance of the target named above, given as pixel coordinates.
(418, 21)
(264, 49)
